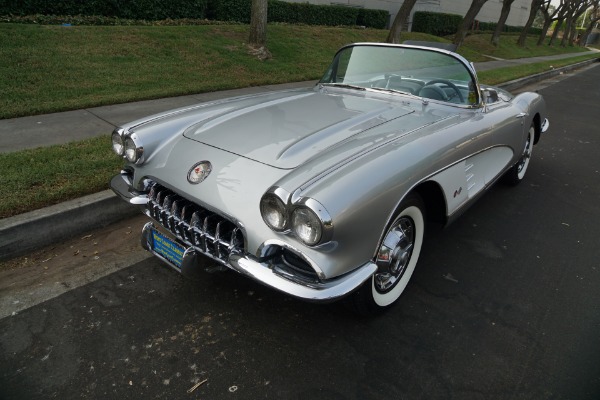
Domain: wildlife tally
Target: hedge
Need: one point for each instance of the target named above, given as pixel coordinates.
(222, 10)
(437, 24)
(126, 9)
(299, 13)
(440, 24)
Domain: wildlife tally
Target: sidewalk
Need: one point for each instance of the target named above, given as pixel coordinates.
(23, 233)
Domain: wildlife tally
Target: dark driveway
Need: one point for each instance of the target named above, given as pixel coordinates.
(505, 304)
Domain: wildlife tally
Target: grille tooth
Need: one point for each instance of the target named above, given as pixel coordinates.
(160, 196)
(205, 230)
(223, 238)
(152, 193)
(210, 234)
(237, 238)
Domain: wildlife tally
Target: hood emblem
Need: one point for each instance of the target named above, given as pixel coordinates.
(199, 172)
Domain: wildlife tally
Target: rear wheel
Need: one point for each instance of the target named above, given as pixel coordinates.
(517, 172)
(396, 258)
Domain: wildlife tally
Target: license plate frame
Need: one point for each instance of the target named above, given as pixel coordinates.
(167, 248)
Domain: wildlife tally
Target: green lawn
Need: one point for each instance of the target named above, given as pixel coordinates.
(53, 68)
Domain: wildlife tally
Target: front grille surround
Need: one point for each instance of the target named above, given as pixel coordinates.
(206, 231)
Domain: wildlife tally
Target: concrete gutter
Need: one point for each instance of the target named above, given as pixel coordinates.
(24, 233)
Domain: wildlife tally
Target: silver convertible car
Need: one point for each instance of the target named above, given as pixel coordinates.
(325, 192)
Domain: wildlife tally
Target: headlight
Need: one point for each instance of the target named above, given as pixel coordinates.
(117, 144)
(133, 151)
(273, 212)
(307, 226)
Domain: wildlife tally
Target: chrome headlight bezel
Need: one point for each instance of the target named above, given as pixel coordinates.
(134, 150)
(295, 214)
(306, 226)
(319, 215)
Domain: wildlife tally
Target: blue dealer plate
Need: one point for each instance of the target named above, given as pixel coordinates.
(167, 248)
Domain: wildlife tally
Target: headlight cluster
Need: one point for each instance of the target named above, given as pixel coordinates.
(307, 219)
(128, 146)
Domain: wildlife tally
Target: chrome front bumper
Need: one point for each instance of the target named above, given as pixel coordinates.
(261, 270)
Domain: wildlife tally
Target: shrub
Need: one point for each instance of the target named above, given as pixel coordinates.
(377, 19)
(437, 24)
(127, 9)
(222, 10)
(447, 24)
(300, 13)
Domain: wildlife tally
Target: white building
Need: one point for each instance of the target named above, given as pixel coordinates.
(489, 13)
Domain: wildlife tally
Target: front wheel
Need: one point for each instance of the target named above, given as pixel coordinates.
(396, 258)
(517, 172)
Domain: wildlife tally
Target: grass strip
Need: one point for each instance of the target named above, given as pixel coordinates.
(506, 74)
(41, 177)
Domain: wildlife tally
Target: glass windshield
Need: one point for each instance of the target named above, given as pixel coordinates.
(418, 72)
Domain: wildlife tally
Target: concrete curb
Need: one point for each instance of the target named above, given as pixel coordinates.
(24, 233)
(528, 80)
(27, 232)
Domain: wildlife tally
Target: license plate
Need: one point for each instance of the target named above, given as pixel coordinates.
(167, 248)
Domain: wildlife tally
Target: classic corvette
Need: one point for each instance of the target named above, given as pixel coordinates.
(325, 192)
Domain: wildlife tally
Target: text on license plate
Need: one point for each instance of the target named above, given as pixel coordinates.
(167, 248)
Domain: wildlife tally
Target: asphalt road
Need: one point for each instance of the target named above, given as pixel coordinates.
(504, 305)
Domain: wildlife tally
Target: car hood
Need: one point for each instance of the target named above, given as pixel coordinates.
(286, 129)
(289, 128)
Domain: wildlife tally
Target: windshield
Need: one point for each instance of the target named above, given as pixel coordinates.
(418, 72)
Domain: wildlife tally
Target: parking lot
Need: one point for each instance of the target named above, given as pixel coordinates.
(504, 304)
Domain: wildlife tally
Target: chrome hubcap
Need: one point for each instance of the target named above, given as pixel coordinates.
(394, 254)
(525, 156)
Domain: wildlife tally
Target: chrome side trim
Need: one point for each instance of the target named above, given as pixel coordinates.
(545, 125)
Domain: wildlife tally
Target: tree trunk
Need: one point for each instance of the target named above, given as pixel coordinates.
(573, 34)
(544, 32)
(506, 4)
(590, 27)
(556, 29)
(535, 6)
(258, 24)
(566, 33)
(467, 21)
(398, 24)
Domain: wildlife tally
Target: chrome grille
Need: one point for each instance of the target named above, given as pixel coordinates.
(206, 231)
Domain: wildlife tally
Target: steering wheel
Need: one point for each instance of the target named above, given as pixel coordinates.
(450, 85)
